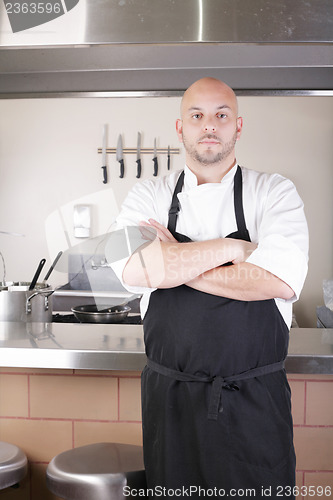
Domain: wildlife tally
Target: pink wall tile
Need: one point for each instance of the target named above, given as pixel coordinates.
(314, 448)
(298, 401)
(319, 403)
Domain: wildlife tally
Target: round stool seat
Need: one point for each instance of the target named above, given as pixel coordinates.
(98, 471)
(13, 465)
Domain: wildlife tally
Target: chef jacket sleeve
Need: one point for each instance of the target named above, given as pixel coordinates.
(283, 235)
(139, 205)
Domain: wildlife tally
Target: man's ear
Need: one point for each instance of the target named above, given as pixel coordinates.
(239, 127)
(179, 129)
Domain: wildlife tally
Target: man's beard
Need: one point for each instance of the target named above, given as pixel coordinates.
(209, 157)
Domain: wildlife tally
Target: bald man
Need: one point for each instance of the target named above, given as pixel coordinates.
(218, 283)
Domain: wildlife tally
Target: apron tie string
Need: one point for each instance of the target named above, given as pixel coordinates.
(215, 407)
(218, 382)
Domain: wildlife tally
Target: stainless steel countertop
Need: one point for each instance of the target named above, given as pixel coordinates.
(120, 347)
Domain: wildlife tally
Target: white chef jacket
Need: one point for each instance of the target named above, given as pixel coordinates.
(273, 211)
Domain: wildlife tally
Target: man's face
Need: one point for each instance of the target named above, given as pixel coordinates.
(209, 127)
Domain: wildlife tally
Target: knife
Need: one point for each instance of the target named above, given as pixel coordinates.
(119, 156)
(155, 159)
(138, 158)
(105, 174)
(168, 157)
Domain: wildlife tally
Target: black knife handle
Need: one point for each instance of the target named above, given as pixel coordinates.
(168, 162)
(155, 166)
(105, 175)
(138, 173)
(122, 168)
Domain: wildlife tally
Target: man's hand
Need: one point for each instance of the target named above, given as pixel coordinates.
(161, 232)
(243, 251)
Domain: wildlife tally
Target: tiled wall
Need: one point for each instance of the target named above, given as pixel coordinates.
(49, 411)
(312, 399)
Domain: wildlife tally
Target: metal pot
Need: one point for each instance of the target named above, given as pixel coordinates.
(104, 314)
(18, 303)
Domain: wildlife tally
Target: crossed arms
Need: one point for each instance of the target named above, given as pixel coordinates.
(165, 263)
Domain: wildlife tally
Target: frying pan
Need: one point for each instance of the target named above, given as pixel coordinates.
(104, 313)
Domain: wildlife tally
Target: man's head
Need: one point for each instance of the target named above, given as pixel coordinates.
(209, 126)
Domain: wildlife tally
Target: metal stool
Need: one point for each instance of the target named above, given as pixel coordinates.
(98, 471)
(13, 465)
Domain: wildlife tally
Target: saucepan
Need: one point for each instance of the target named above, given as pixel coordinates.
(28, 301)
(19, 303)
(101, 314)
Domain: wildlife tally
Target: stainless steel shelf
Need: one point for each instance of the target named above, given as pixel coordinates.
(121, 347)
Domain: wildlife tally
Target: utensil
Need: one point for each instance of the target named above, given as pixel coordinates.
(105, 174)
(119, 156)
(155, 159)
(90, 313)
(37, 273)
(168, 157)
(47, 275)
(138, 156)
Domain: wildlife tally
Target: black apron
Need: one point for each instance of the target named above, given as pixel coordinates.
(216, 408)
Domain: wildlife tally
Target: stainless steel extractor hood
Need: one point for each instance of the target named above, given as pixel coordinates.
(157, 46)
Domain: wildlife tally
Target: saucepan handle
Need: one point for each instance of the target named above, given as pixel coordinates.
(46, 293)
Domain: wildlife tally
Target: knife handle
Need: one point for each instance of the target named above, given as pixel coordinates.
(122, 168)
(155, 166)
(168, 162)
(105, 175)
(138, 174)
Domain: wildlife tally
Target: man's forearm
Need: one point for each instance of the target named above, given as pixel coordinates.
(168, 264)
(242, 281)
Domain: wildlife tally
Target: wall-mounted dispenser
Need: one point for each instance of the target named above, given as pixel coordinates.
(82, 221)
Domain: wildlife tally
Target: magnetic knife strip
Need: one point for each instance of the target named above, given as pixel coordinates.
(173, 151)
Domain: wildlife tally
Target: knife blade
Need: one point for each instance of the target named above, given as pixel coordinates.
(155, 159)
(105, 174)
(138, 156)
(168, 157)
(119, 156)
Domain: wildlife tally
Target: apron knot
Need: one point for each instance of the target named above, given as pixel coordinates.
(215, 403)
(218, 382)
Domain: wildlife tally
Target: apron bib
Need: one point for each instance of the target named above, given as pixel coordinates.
(216, 408)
